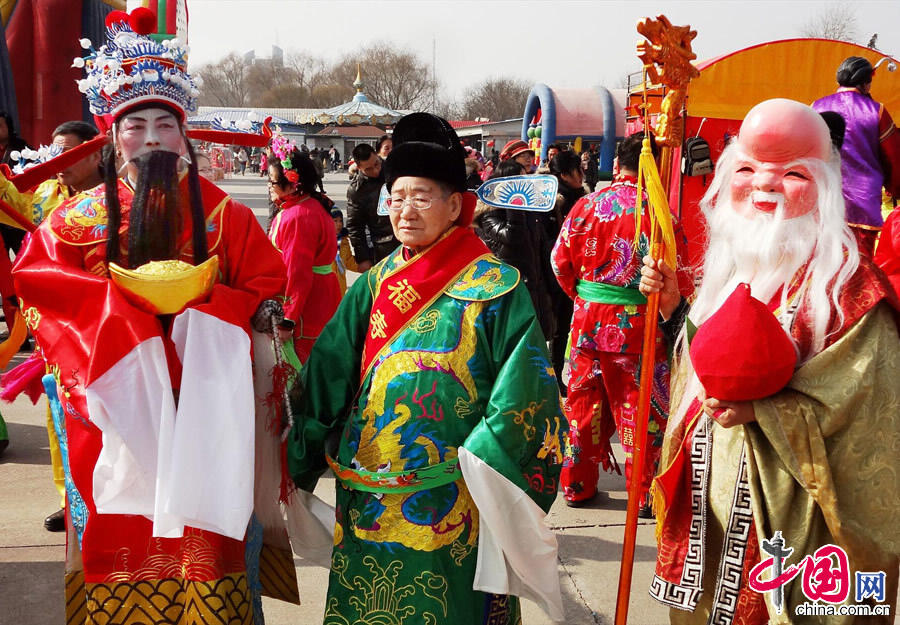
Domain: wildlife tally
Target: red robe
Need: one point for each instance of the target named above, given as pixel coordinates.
(304, 234)
(88, 330)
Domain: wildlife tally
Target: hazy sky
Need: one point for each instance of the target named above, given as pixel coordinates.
(561, 43)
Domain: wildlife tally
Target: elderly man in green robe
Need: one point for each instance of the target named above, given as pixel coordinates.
(431, 397)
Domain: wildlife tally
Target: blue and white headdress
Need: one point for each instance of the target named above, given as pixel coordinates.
(251, 124)
(28, 158)
(132, 68)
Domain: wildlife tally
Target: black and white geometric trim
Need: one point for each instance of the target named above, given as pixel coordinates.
(701, 455)
(734, 550)
(684, 595)
(674, 595)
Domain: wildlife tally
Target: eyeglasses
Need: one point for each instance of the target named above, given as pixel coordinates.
(418, 203)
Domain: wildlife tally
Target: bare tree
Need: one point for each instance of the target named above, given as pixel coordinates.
(224, 82)
(234, 82)
(283, 96)
(393, 77)
(496, 99)
(329, 94)
(289, 85)
(834, 21)
(447, 107)
(307, 70)
(263, 76)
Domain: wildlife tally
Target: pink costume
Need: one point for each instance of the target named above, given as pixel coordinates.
(303, 232)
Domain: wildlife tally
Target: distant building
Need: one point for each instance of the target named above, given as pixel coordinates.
(276, 59)
(344, 138)
(344, 126)
(359, 110)
(487, 135)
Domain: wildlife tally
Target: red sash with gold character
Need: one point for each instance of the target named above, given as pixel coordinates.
(405, 292)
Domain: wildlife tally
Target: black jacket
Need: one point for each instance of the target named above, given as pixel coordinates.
(371, 236)
(592, 173)
(15, 144)
(520, 239)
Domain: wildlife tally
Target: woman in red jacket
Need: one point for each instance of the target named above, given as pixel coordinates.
(303, 232)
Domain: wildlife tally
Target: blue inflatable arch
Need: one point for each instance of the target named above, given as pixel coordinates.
(542, 99)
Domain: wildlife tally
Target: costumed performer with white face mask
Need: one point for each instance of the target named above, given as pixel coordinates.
(152, 372)
(786, 408)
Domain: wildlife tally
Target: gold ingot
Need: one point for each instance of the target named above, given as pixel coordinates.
(164, 287)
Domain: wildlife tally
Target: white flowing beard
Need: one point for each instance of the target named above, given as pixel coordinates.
(764, 250)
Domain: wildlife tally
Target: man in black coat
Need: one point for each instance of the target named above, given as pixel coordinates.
(371, 235)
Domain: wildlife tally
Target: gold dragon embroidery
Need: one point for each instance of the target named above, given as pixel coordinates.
(488, 281)
(380, 448)
(550, 447)
(525, 418)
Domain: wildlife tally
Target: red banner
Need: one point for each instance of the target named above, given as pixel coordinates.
(408, 290)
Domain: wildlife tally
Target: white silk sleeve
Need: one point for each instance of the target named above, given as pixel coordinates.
(309, 520)
(517, 552)
(129, 404)
(205, 476)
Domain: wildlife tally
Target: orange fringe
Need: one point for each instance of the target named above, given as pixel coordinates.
(658, 504)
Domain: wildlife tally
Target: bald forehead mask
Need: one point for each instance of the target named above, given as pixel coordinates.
(781, 131)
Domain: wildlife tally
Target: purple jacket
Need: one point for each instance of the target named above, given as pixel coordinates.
(860, 164)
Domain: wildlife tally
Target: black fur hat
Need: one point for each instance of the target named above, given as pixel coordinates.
(426, 146)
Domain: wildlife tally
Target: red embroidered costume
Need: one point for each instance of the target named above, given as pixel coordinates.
(304, 234)
(106, 355)
(596, 246)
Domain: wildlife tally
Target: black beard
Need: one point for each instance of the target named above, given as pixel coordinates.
(154, 219)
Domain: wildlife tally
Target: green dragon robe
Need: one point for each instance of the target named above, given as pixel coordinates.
(471, 373)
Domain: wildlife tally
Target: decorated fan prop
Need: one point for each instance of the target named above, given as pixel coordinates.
(530, 193)
(248, 132)
(382, 201)
(527, 193)
(741, 352)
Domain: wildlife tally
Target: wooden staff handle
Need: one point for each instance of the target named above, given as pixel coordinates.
(648, 354)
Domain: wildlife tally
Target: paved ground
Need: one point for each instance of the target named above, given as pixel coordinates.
(31, 559)
(251, 190)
